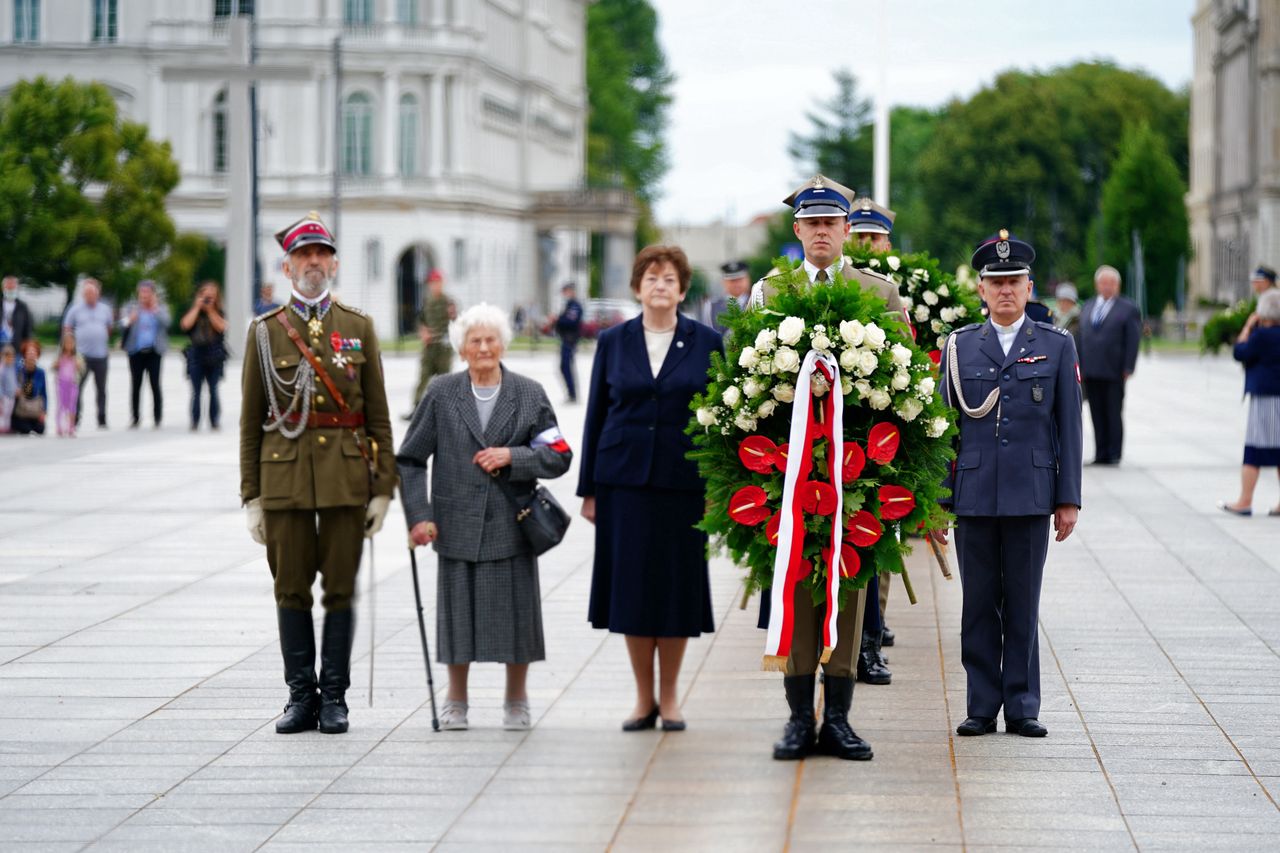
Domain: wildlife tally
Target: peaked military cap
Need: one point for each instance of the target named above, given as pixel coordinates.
(734, 269)
(307, 230)
(1265, 272)
(868, 217)
(820, 196)
(1001, 255)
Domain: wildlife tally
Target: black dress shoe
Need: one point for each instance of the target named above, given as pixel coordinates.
(887, 636)
(639, 724)
(673, 725)
(1027, 727)
(975, 726)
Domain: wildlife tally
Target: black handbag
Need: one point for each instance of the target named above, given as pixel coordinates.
(539, 516)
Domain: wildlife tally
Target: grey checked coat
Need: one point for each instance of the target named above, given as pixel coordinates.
(475, 519)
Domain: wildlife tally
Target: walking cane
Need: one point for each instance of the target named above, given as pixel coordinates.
(422, 632)
(373, 621)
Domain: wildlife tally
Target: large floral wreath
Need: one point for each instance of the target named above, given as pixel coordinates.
(895, 435)
(937, 301)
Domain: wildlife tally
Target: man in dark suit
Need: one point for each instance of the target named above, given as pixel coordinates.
(1014, 382)
(1110, 331)
(737, 288)
(569, 328)
(16, 324)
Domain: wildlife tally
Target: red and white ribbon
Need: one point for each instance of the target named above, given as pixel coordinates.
(806, 427)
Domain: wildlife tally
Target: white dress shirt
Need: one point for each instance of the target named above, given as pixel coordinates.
(1006, 334)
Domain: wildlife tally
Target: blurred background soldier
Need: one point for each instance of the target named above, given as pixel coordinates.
(569, 328)
(736, 282)
(872, 224)
(433, 331)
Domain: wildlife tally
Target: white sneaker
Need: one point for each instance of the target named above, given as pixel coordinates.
(453, 716)
(516, 717)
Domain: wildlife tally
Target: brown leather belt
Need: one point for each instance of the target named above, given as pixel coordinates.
(329, 420)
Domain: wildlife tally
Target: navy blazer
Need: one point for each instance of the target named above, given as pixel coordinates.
(634, 434)
(1023, 457)
(1110, 350)
(1260, 355)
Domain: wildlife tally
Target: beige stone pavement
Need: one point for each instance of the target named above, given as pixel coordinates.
(139, 678)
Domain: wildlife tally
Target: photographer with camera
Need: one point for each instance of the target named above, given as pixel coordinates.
(207, 352)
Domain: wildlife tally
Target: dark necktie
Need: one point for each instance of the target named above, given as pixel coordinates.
(822, 276)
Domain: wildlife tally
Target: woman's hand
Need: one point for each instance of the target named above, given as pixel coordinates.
(589, 508)
(493, 458)
(423, 533)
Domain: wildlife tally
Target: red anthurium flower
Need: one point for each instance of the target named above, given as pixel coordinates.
(756, 452)
(896, 502)
(882, 443)
(806, 569)
(771, 529)
(747, 505)
(935, 355)
(780, 457)
(850, 562)
(864, 529)
(854, 461)
(817, 498)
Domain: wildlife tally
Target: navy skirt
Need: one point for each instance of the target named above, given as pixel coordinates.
(650, 576)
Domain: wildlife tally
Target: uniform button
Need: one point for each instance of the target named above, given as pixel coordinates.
(322, 440)
(650, 427)
(1005, 398)
(319, 399)
(284, 362)
(275, 455)
(1006, 377)
(1004, 420)
(1004, 442)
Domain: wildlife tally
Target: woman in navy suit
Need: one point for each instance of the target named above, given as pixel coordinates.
(650, 577)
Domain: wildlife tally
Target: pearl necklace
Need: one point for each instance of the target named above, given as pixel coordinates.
(476, 394)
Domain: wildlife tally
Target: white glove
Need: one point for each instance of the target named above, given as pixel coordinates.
(253, 521)
(375, 513)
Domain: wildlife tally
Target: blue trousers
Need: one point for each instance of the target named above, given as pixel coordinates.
(871, 612)
(567, 348)
(1001, 568)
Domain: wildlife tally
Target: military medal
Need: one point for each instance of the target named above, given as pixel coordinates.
(315, 327)
(1037, 393)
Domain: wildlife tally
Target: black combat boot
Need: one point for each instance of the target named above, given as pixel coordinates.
(298, 647)
(887, 637)
(837, 737)
(335, 669)
(871, 665)
(798, 737)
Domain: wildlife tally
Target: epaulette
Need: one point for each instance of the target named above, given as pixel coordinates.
(353, 309)
(271, 313)
(876, 274)
(1050, 327)
(967, 328)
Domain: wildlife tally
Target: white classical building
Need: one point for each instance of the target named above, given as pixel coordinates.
(456, 129)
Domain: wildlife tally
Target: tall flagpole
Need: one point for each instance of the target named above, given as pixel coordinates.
(880, 168)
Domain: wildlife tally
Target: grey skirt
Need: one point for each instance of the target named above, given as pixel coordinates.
(489, 611)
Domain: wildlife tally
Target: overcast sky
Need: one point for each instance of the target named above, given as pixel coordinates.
(747, 70)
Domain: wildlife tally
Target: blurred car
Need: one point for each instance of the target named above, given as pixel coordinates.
(601, 314)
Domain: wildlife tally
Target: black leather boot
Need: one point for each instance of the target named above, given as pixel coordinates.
(887, 637)
(871, 668)
(798, 737)
(837, 737)
(298, 647)
(335, 670)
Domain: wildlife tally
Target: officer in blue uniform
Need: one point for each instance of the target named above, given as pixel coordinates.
(1016, 385)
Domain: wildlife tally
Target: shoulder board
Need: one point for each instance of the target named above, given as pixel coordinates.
(350, 308)
(773, 273)
(270, 313)
(873, 274)
(1049, 327)
(967, 328)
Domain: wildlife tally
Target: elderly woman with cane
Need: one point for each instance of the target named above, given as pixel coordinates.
(1258, 349)
(489, 433)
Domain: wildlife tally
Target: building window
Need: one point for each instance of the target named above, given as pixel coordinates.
(26, 20)
(407, 12)
(357, 135)
(220, 132)
(373, 259)
(358, 13)
(408, 135)
(459, 258)
(227, 8)
(104, 20)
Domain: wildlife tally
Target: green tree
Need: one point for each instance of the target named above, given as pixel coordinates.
(910, 131)
(840, 141)
(1031, 153)
(1144, 193)
(81, 190)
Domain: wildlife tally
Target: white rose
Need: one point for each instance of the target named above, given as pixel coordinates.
(936, 427)
(943, 290)
(863, 387)
(935, 325)
(849, 359)
(901, 355)
(917, 272)
(765, 367)
(930, 297)
(745, 422)
(818, 327)
(942, 341)
(948, 314)
(922, 313)
(868, 361)
(821, 342)
(790, 330)
(784, 393)
(706, 417)
(924, 275)
(852, 332)
(786, 360)
(909, 409)
(879, 399)
(894, 262)
(901, 381)
(766, 340)
(731, 396)
(875, 336)
(874, 262)
(751, 387)
(961, 311)
(766, 408)
(748, 358)
(925, 387)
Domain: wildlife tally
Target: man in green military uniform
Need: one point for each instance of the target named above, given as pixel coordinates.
(317, 469)
(433, 329)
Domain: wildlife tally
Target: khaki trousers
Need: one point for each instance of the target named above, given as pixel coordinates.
(302, 542)
(806, 637)
(884, 594)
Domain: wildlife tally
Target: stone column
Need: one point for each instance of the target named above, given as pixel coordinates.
(436, 123)
(390, 112)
